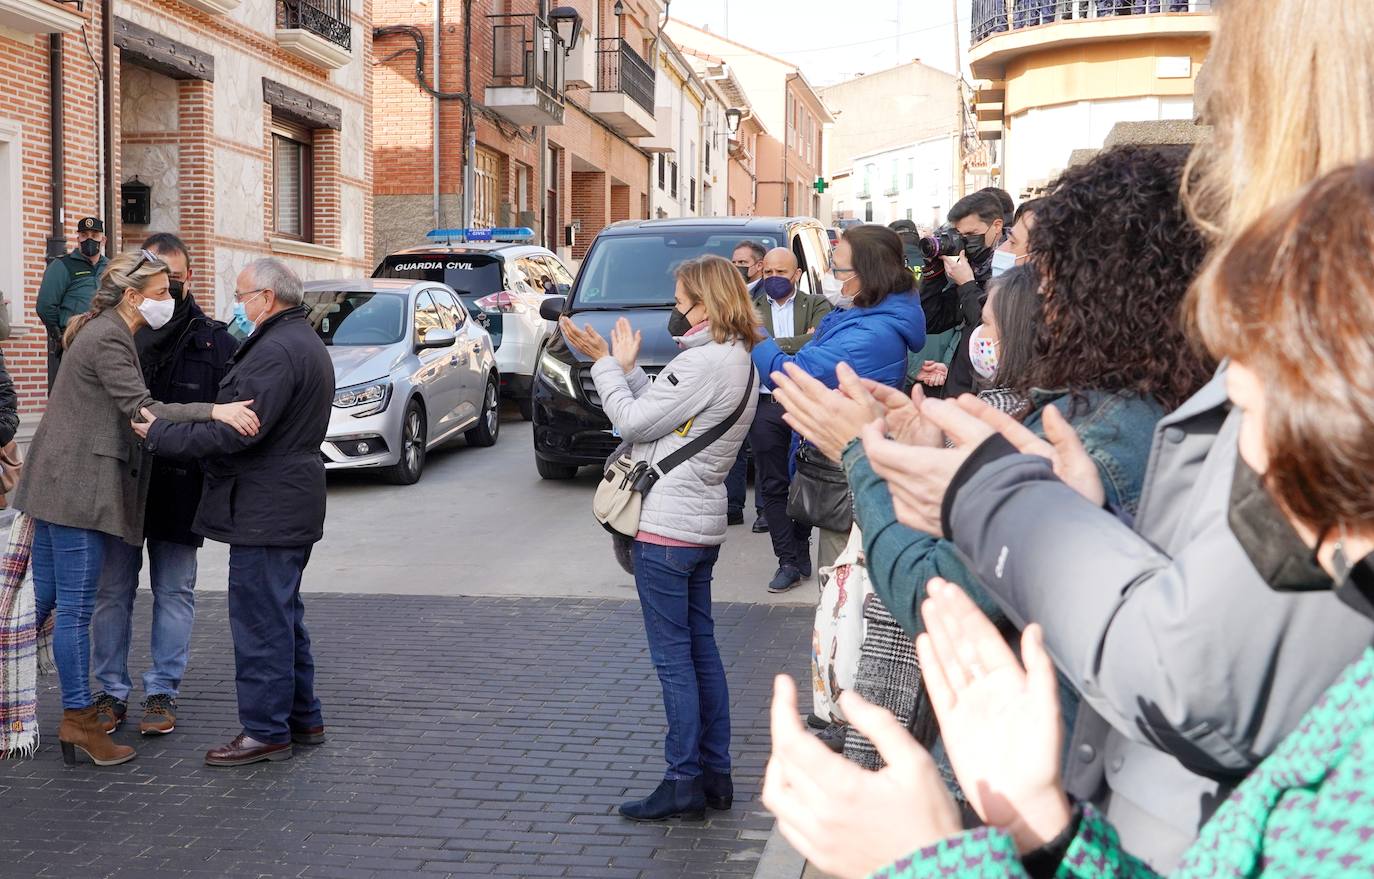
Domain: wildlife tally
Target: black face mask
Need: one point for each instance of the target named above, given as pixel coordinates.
(177, 289)
(89, 248)
(678, 325)
(743, 273)
(1273, 546)
(976, 247)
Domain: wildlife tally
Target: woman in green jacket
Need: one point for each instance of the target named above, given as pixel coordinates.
(1304, 495)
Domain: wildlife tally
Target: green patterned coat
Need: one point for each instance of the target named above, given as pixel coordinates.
(1307, 810)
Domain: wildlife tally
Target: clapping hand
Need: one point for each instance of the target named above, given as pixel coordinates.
(849, 821)
(625, 342)
(828, 419)
(999, 722)
(902, 415)
(586, 341)
(933, 373)
(1061, 446)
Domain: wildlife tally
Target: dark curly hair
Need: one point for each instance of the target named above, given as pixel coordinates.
(1117, 253)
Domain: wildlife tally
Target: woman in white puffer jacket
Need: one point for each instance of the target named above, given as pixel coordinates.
(682, 520)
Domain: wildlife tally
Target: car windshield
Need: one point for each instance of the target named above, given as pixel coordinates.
(472, 275)
(628, 270)
(357, 318)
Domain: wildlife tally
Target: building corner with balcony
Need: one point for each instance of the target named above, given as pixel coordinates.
(243, 127)
(557, 104)
(1043, 94)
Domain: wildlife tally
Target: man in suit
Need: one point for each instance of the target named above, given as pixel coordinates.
(264, 495)
(790, 317)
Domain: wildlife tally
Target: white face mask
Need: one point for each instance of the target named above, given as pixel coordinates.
(157, 312)
(832, 288)
(1002, 260)
(982, 354)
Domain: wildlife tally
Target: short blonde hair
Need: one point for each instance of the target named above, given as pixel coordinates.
(716, 283)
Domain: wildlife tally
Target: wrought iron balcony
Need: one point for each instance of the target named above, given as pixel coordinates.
(527, 70)
(992, 17)
(325, 18)
(620, 69)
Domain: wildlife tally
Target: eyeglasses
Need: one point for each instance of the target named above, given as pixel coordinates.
(244, 297)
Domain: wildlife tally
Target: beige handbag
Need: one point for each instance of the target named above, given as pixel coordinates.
(620, 495)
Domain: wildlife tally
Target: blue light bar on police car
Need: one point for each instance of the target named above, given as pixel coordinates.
(515, 233)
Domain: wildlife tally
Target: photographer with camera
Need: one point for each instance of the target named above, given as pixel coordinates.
(958, 265)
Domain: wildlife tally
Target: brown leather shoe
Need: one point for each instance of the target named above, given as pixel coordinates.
(312, 735)
(83, 730)
(244, 750)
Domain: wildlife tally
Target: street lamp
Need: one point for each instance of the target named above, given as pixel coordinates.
(732, 119)
(567, 21)
(619, 8)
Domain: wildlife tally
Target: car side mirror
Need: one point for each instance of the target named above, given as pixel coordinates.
(552, 308)
(438, 338)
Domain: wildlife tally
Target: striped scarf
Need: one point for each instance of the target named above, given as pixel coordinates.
(18, 646)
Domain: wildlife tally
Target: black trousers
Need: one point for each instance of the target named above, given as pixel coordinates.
(771, 440)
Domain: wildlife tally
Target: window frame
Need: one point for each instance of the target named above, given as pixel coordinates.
(416, 334)
(303, 139)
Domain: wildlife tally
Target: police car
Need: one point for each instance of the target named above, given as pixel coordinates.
(502, 279)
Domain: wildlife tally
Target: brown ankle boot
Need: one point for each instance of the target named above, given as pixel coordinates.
(82, 729)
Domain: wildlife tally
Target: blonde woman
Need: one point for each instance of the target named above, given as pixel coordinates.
(683, 520)
(85, 481)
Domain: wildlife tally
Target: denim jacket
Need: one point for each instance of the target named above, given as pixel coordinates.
(1116, 431)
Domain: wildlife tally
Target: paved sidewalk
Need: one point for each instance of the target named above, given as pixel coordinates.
(468, 736)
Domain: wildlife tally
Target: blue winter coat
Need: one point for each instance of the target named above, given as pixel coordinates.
(873, 341)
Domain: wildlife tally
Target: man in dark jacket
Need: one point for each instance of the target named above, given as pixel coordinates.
(265, 497)
(183, 362)
(953, 287)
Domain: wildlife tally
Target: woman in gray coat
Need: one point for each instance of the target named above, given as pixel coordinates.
(683, 518)
(85, 480)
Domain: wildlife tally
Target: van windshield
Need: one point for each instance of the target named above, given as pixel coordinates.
(630, 270)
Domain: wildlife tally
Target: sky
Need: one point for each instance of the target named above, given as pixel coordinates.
(835, 40)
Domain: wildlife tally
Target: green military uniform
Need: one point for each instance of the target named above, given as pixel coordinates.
(68, 286)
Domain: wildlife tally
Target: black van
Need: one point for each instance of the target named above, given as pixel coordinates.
(628, 272)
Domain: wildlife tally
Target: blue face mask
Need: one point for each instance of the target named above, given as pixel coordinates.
(777, 287)
(240, 324)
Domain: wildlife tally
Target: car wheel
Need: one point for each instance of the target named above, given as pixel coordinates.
(489, 421)
(553, 469)
(414, 439)
(526, 405)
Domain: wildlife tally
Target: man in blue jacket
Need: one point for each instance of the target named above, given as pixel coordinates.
(183, 362)
(265, 497)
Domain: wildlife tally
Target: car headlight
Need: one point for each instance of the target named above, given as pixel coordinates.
(365, 399)
(557, 373)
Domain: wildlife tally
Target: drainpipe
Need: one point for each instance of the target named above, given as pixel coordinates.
(541, 167)
(57, 235)
(107, 124)
(469, 124)
(438, 55)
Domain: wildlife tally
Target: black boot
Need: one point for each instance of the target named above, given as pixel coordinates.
(720, 790)
(682, 798)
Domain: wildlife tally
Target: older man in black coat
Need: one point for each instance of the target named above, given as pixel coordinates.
(265, 497)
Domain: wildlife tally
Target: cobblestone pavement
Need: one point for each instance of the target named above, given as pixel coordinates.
(467, 737)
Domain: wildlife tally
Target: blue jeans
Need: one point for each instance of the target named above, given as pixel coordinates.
(273, 670)
(674, 585)
(172, 567)
(66, 571)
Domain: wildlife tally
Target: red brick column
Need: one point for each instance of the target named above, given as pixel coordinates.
(196, 175)
(620, 203)
(328, 227)
(590, 206)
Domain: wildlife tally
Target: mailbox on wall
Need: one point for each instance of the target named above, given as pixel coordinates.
(136, 203)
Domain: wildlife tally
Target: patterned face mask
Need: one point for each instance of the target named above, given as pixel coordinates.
(982, 354)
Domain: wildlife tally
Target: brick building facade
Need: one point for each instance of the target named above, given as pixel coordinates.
(250, 120)
(579, 168)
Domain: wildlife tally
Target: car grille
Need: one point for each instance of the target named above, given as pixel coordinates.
(584, 375)
(594, 445)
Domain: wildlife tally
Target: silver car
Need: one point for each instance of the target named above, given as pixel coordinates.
(412, 370)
